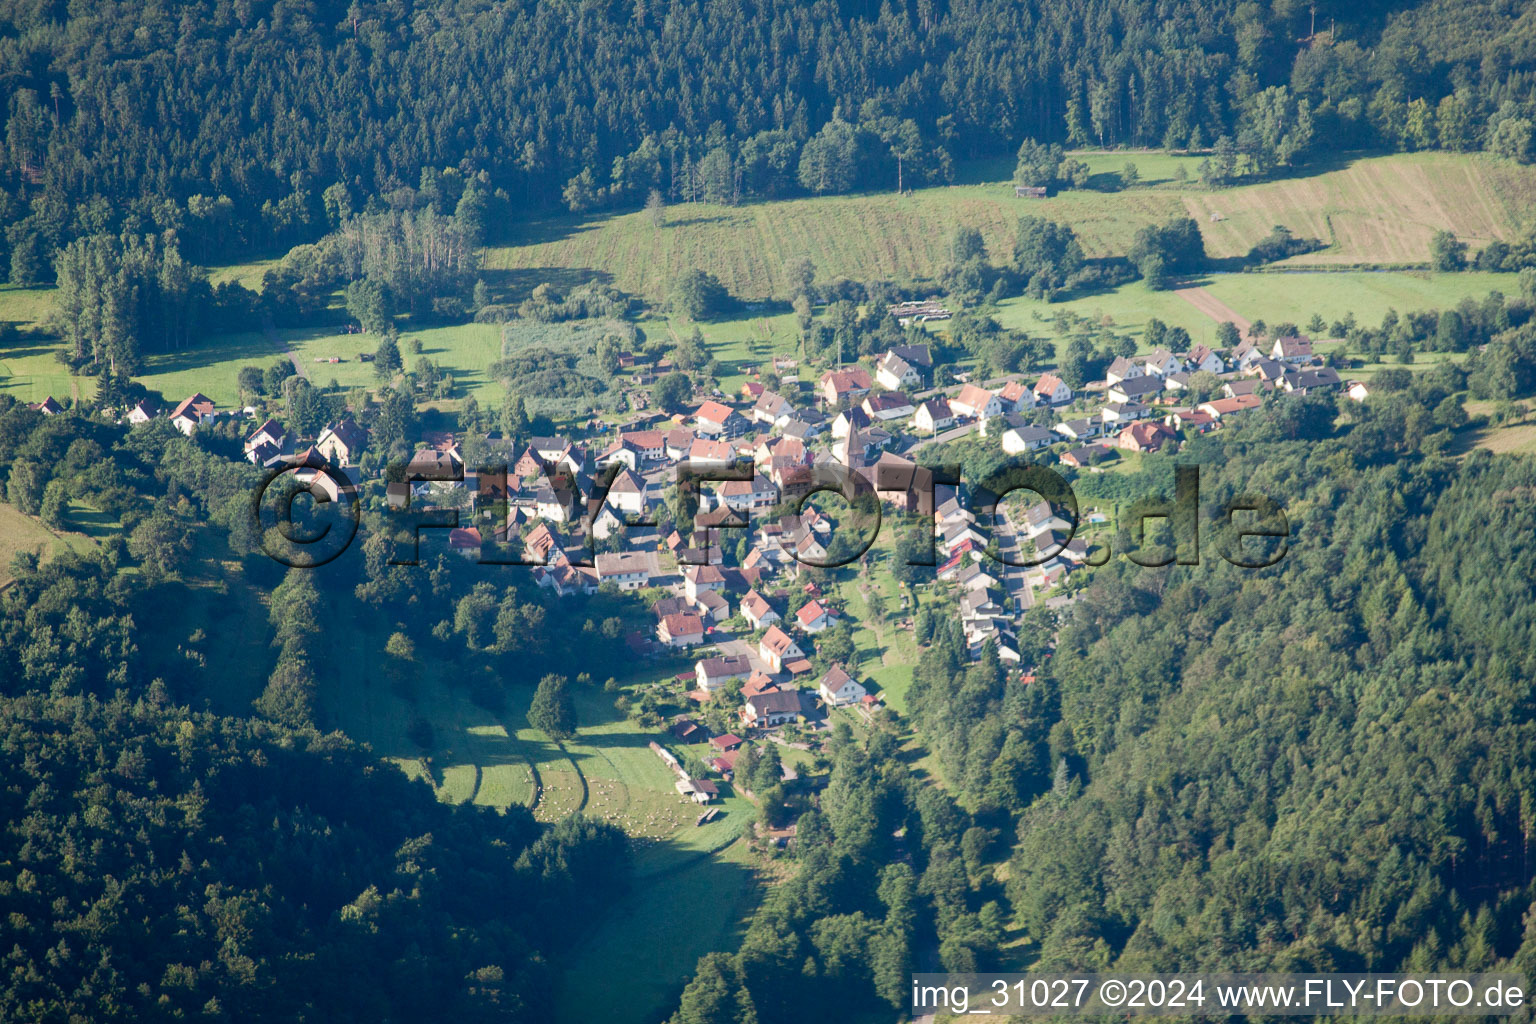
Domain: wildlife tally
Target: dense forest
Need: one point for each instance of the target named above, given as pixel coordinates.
(1320, 766)
(246, 124)
(166, 858)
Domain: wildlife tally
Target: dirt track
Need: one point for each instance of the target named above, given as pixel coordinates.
(1213, 307)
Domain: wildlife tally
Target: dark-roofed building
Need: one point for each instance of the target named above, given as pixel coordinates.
(766, 710)
(714, 673)
(838, 688)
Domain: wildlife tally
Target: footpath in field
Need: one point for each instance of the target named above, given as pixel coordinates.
(1214, 308)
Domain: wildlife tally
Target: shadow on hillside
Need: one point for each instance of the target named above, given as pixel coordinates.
(513, 286)
(27, 351)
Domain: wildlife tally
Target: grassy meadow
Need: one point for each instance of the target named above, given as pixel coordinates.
(1369, 210)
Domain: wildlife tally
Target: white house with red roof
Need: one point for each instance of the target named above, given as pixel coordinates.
(815, 617)
(1052, 390)
(778, 647)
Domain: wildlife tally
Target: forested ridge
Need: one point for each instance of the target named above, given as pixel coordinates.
(229, 121)
(177, 865)
(1322, 767)
(160, 860)
(1325, 765)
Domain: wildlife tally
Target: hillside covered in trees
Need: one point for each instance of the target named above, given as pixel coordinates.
(1320, 766)
(256, 124)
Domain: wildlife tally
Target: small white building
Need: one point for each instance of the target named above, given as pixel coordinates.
(838, 688)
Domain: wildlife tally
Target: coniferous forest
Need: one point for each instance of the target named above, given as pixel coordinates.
(253, 125)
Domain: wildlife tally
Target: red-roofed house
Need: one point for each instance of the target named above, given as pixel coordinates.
(814, 617)
(1053, 390)
(757, 611)
(715, 419)
(837, 385)
(976, 401)
(778, 647)
(1226, 406)
(1144, 437)
(682, 629)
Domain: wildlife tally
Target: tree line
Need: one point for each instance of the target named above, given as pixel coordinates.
(205, 121)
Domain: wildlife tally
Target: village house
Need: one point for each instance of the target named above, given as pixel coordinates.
(342, 443)
(265, 444)
(776, 707)
(1015, 396)
(1122, 369)
(1117, 413)
(1239, 388)
(559, 451)
(1052, 390)
(464, 541)
(778, 648)
(1292, 348)
(772, 409)
(1026, 437)
(802, 429)
(852, 418)
(716, 420)
(1082, 458)
(143, 411)
(1144, 437)
(713, 606)
(1162, 362)
(1304, 382)
(678, 442)
(628, 570)
(974, 577)
(1226, 406)
(744, 495)
(932, 416)
(758, 682)
(976, 401)
(980, 603)
(1202, 357)
(715, 673)
(699, 578)
(704, 452)
(635, 450)
(839, 689)
(769, 448)
(1245, 354)
(1043, 517)
(757, 611)
(896, 373)
(963, 533)
(627, 493)
(557, 500)
(1078, 429)
(836, 386)
(681, 629)
(1135, 389)
(1193, 420)
(814, 617)
(686, 730)
(887, 405)
(185, 417)
(1268, 370)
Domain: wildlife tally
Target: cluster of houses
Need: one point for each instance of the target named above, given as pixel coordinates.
(558, 496)
(1141, 409)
